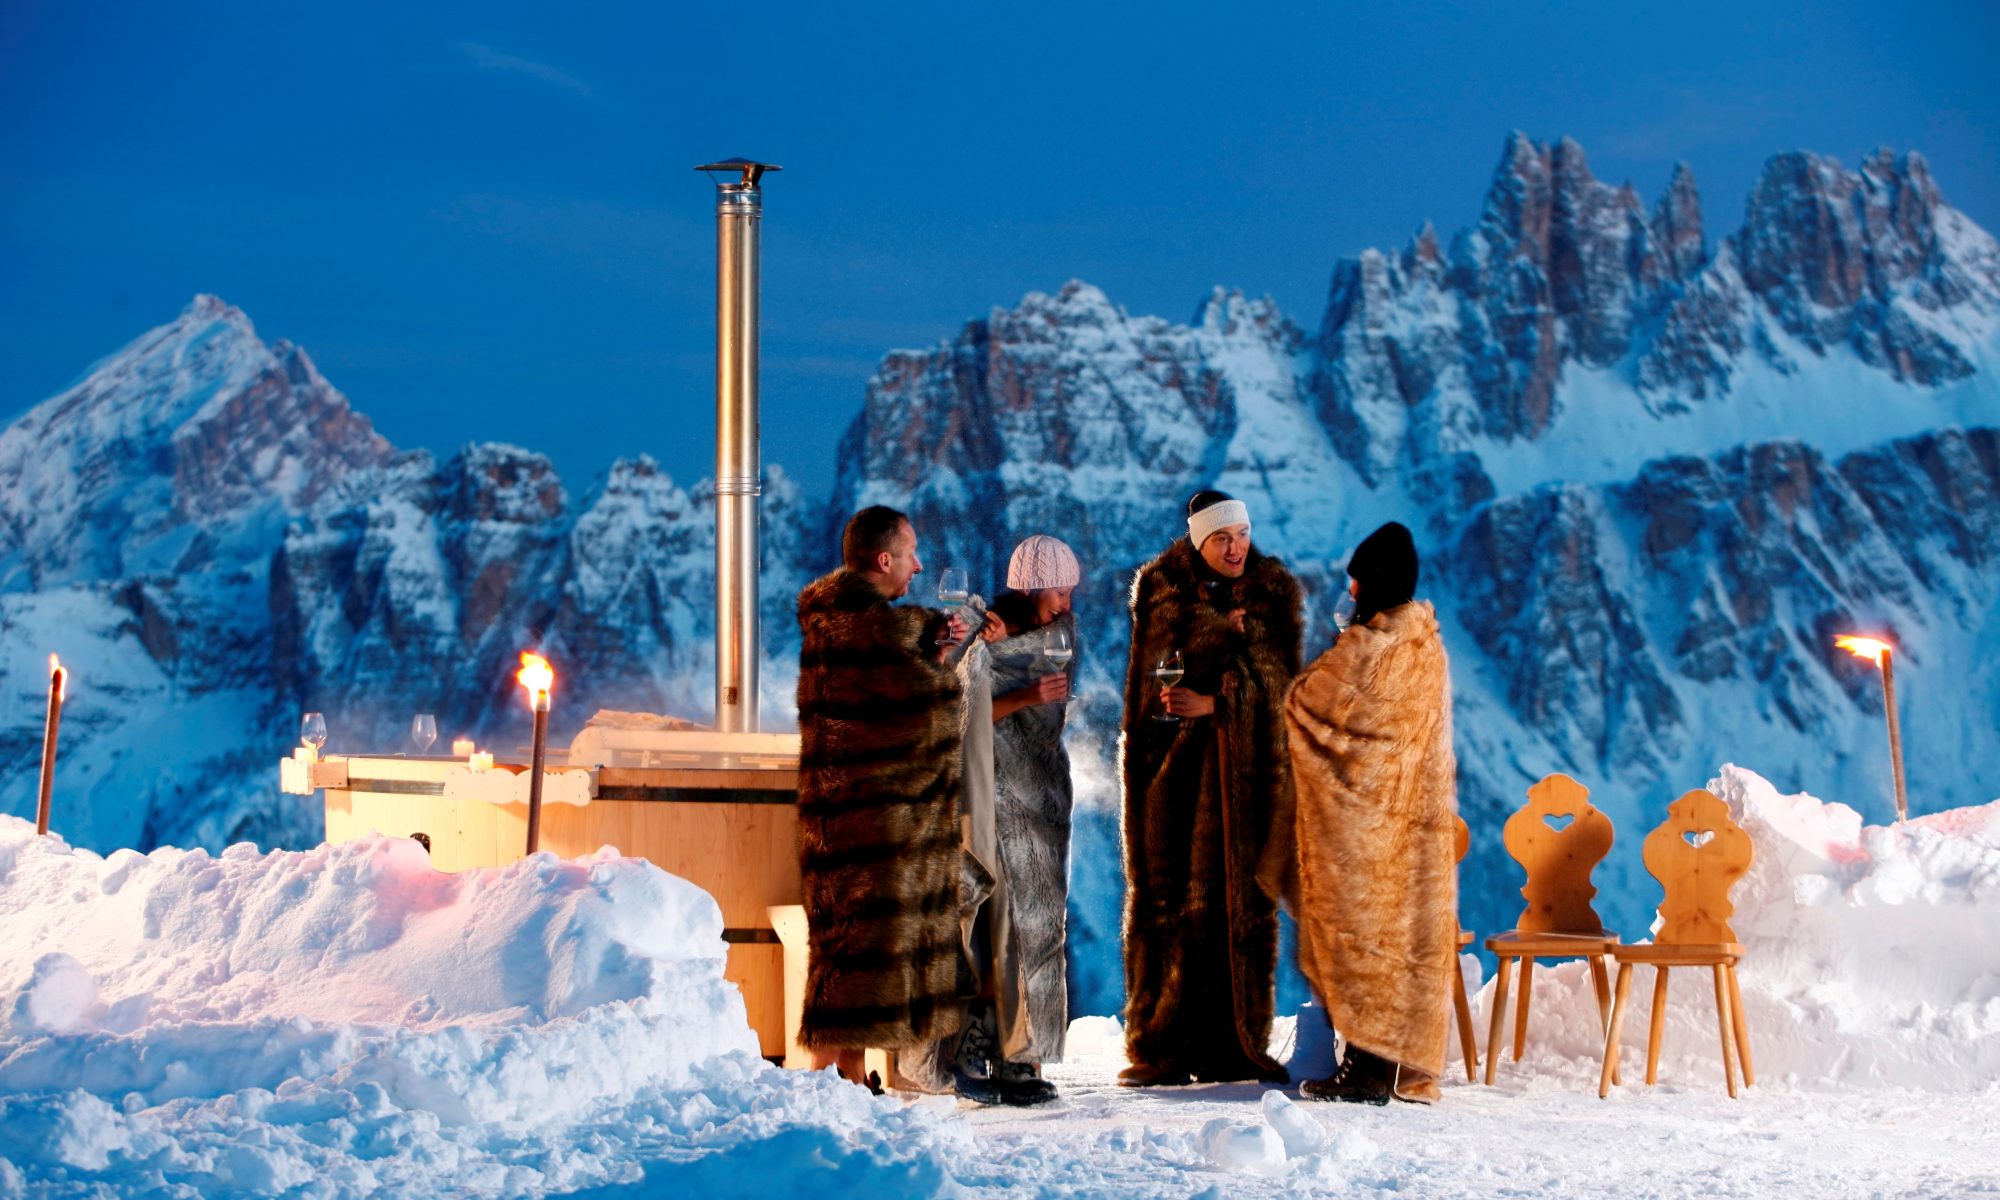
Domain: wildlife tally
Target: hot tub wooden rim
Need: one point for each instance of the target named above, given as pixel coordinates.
(641, 793)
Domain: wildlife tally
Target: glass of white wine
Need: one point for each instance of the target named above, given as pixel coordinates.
(1168, 670)
(312, 731)
(954, 589)
(424, 731)
(1056, 647)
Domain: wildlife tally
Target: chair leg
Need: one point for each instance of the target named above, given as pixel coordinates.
(1521, 1007)
(1603, 985)
(1465, 1036)
(1742, 1028)
(1499, 1018)
(1597, 977)
(1723, 1025)
(1611, 1032)
(1659, 1025)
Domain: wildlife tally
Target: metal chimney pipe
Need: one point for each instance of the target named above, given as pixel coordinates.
(739, 211)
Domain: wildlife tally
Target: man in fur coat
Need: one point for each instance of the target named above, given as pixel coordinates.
(1208, 818)
(879, 728)
(1370, 725)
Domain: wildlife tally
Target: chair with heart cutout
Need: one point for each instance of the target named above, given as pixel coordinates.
(1697, 855)
(1558, 837)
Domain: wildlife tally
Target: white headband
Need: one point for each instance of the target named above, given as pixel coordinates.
(1216, 516)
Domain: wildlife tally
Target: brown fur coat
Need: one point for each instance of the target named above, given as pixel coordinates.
(879, 842)
(1377, 797)
(1208, 815)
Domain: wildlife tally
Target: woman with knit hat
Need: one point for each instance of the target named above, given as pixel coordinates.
(1015, 809)
(1370, 731)
(1207, 817)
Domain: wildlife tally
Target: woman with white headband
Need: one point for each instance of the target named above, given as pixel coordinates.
(1015, 809)
(1208, 831)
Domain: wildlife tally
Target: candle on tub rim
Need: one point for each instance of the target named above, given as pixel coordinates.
(462, 747)
(480, 760)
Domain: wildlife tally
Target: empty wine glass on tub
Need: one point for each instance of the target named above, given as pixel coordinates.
(312, 731)
(424, 731)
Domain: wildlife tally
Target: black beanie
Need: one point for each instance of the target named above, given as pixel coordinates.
(1385, 565)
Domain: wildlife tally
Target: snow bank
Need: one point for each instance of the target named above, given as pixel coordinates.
(1872, 957)
(347, 1020)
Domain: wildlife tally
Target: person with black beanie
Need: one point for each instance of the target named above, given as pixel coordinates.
(1376, 784)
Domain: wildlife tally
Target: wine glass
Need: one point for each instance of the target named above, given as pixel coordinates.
(312, 731)
(1168, 669)
(424, 731)
(1056, 647)
(954, 589)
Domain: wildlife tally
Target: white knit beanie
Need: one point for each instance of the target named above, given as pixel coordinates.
(1042, 562)
(1220, 515)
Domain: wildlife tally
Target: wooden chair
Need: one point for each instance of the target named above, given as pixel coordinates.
(1559, 921)
(1458, 997)
(1698, 854)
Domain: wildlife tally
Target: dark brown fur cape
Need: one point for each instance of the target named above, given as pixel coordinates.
(1208, 815)
(879, 843)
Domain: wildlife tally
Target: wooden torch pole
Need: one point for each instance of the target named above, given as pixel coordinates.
(50, 725)
(1895, 733)
(535, 771)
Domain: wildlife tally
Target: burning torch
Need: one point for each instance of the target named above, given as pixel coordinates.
(58, 683)
(538, 677)
(1884, 657)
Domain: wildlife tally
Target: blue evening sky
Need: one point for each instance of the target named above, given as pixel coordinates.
(481, 219)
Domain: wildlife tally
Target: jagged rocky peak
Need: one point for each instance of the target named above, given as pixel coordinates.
(192, 426)
(496, 482)
(1228, 313)
(1859, 258)
(1678, 237)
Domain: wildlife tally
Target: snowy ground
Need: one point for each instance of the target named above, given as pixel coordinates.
(347, 1022)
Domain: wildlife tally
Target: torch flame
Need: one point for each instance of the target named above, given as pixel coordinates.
(61, 676)
(535, 674)
(1869, 648)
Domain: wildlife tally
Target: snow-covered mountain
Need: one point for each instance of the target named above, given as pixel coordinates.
(1652, 472)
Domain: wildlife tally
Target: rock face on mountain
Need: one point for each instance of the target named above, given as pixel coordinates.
(1653, 471)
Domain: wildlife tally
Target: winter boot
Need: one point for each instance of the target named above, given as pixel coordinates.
(972, 1068)
(1020, 1084)
(1363, 1078)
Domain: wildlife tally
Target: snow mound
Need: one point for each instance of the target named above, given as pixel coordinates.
(1871, 958)
(348, 1021)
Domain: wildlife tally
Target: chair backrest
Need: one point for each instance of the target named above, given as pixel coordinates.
(1697, 854)
(1559, 856)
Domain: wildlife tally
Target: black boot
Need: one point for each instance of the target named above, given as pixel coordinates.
(1022, 1085)
(1362, 1078)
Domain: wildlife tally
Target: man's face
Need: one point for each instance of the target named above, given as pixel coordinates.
(899, 564)
(1226, 550)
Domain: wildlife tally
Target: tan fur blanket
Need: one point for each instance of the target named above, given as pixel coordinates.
(1370, 728)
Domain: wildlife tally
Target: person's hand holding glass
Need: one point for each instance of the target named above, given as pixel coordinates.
(953, 591)
(1058, 649)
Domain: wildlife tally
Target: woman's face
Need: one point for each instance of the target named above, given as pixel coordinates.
(1050, 603)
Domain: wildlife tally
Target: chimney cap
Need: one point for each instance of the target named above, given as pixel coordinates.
(750, 169)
